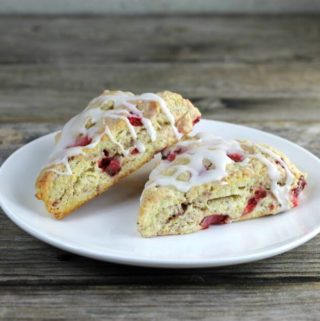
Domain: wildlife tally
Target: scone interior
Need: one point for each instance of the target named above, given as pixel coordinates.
(114, 136)
(206, 180)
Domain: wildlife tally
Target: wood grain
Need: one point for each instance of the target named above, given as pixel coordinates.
(130, 7)
(240, 302)
(61, 40)
(223, 90)
(257, 71)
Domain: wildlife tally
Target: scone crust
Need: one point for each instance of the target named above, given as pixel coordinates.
(63, 194)
(164, 210)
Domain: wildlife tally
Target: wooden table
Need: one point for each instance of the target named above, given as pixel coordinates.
(259, 71)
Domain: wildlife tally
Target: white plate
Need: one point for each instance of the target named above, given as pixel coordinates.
(105, 228)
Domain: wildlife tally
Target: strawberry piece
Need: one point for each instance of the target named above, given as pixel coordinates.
(135, 120)
(195, 121)
(82, 141)
(110, 165)
(295, 192)
(135, 151)
(171, 156)
(253, 201)
(214, 219)
(114, 167)
(295, 201)
(236, 157)
(260, 193)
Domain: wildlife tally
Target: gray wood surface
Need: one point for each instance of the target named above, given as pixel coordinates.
(258, 71)
(130, 7)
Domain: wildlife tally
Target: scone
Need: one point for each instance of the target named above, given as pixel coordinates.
(207, 180)
(114, 136)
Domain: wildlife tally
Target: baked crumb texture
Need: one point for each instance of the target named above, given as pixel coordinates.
(258, 181)
(129, 132)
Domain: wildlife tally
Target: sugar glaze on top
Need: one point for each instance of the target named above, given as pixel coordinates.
(124, 106)
(207, 147)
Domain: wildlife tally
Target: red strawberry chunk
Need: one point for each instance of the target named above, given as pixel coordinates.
(236, 157)
(253, 201)
(135, 151)
(295, 201)
(195, 121)
(82, 141)
(135, 120)
(260, 193)
(110, 165)
(271, 207)
(214, 219)
(297, 191)
(114, 167)
(171, 156)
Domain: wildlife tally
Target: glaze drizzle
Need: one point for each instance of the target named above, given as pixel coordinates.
(91, 122)
(207, 149)
(194, 152)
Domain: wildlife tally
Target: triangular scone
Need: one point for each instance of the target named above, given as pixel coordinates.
(114, 136)
(207, 180)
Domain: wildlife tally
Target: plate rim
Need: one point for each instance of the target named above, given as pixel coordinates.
(156, 262)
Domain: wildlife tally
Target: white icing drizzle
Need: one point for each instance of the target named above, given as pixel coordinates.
(206, 147)
(216, 150)
(282, 193)
(107, 131)
(124, 106)
(141, 148)
(145, 121)
(165, 110)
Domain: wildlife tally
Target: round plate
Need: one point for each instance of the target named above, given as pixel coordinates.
(105, 228)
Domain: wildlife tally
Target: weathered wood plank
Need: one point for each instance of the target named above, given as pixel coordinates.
(60, 40)
(13, 136)
(229, 80)
(167, 7)
(294, 302)
(225, 91)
